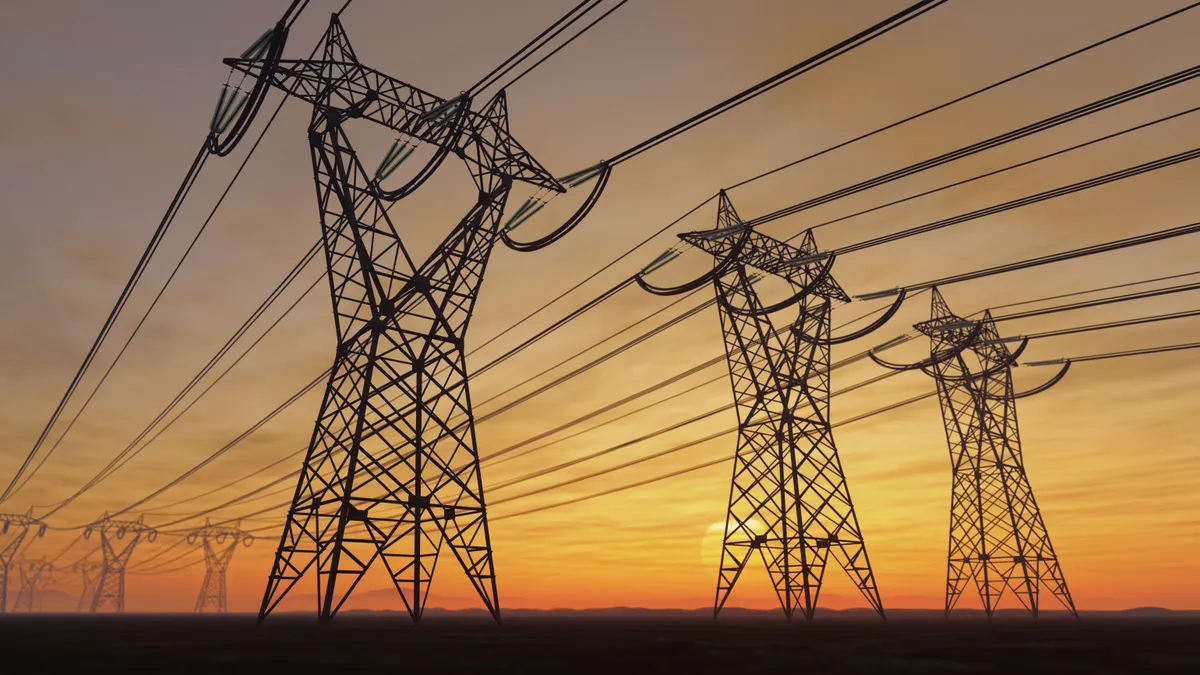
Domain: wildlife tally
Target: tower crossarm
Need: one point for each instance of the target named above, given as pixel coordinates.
(339, 83)
(801, 266)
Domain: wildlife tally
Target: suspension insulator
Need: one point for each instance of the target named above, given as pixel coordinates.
(583, 176)
(441, 111)
(396, 155)
(663, 258)
(523, 214)
(229, 106)
(260, 46)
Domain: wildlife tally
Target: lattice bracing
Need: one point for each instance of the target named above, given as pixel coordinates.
(15, 531)
(998, 540)
(89, 573)
(118, 540)
(788, 500)
(35, 575)
(392, 472)
(219, 543)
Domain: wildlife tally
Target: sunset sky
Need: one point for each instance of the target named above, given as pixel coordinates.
(106, 104)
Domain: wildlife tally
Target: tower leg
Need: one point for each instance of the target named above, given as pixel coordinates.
(998, 540)
(392, 470)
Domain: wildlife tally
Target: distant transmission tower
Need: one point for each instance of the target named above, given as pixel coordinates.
(34, 577)
(219, 543)
(89, 571)
(14, 529)
(998, 540)
(118, 539)
(392, 471)
(788, 498)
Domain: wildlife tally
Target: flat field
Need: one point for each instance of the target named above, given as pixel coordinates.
(389, 643)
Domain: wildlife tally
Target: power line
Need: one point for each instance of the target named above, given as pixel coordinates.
(564, 44)
(973, 94)
(1154, 86)
(1117, 355)
(553, 31)
(1080, 186)
(206, 150)
(849, 44)
(843, 144)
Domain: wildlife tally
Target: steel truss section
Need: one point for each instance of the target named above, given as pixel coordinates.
(219, 543)
(998, 540)
(118, 540)
(89, 572)
(34, 577)
(788, 497)
(14, 532)
(392, 472)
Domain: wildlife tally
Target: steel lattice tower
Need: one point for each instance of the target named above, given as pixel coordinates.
(89, 572)
(219, 543)
(392, 470)
(118, 539)
(998, 539)
(32, 576)
(15, 530)
(788, 496)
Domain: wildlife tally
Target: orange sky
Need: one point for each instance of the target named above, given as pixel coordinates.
(110, 102)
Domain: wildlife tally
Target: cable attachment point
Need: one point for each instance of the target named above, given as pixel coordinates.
(583, 176)
(663, 258)
(878, 294)
(1051, 362)
(229, 106)
(396, 155)
(441, 112)
(531, 206)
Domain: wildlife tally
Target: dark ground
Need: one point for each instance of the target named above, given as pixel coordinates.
(650, 644)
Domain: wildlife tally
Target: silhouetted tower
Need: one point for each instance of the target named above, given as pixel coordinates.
(14, 531)
(788, 498)
(219, 543)
(118, 539)
(35, 575)
(392, 470)
(89, 572)
(998, 540)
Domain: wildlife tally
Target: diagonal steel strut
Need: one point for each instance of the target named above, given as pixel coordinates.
(788, 497)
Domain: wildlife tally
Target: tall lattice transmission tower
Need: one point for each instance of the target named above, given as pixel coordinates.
(219, 544)
(14, 532)
(35, 575)
(89, 572)
(118, 540)
(392, 472)
(788, 498)
(998, 540)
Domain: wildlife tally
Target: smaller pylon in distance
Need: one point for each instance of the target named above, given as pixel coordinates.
(118, 540)
(219, 542)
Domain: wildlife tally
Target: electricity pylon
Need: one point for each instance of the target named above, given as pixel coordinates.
(118, 539)
(89, 571)
(219, 543)
(392, 470)
(14, 528)
(33, 579)
(788, 497)
(998, 539)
